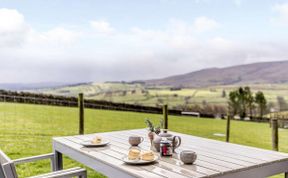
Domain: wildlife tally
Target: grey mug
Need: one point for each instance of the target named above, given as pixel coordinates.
(188, 156)
(135, 140)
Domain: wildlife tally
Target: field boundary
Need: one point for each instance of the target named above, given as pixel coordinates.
(56, 100)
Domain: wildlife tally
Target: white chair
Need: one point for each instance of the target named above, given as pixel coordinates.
(8, 169)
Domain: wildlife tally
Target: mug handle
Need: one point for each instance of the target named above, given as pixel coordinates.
(142, 139)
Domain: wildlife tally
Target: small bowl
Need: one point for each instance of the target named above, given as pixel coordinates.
(188, 156)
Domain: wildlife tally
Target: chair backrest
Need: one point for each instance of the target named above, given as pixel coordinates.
(7, 167)
(2, 175)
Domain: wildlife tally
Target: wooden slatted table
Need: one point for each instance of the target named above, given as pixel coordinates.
(215, 158)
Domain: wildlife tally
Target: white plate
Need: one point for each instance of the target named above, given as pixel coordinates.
(88, 143)
(138, 161)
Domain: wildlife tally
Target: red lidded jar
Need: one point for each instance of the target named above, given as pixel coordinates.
(166, 148)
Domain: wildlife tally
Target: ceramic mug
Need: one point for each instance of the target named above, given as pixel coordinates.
(188, 156)
(135, 140)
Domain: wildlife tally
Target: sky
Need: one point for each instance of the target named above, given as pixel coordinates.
(95, 40)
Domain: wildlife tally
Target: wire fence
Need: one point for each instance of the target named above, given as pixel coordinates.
(15, 97)
(28, 123)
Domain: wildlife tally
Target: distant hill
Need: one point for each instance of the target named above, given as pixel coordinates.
(257, 73)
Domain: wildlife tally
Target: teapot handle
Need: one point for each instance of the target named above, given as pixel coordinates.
(179, 142)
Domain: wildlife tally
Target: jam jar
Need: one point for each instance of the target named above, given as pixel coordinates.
(166, 148)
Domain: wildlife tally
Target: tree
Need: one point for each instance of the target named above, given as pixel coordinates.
(208, 109)
(282, 103)
(261, 101)
(233, 102)
(249, 100)
(223, 93)
(204, 103)
(124, 93)
(270, 106)
(160, 100)
(243, 94)
(196, 108)
(186, 99)
(220, 110)
(240, 100)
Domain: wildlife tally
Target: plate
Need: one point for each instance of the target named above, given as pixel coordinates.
(138, 161)
(88, 143)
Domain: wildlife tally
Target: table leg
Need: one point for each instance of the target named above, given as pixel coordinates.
(58, 161)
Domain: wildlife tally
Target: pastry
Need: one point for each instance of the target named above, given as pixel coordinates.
(147, 156)
(97, 140)
(134, 154)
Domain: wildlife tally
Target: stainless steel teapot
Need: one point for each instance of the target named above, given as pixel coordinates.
(176, 140)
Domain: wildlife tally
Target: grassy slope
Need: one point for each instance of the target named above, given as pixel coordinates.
(27, 130)
(211, 94)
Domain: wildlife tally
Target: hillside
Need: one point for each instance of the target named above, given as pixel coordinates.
(208, 86)
(257, 73)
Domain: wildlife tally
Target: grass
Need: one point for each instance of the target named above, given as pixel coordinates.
(27, 130)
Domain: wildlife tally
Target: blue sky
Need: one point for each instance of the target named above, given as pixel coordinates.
(90, 40)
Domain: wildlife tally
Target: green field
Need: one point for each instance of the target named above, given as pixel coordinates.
(27, 130)
(141, 94)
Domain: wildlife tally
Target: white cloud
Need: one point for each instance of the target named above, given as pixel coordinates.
(55, 36)
(202, 24)
(13, 28)
(16, 32)
(102, 26)
(178, 33)
(282, 14)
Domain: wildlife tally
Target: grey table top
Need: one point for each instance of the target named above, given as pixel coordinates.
(214, 158)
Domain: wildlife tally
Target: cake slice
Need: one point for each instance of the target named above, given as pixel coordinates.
(134, 154)
(147, 156)
(96, 140)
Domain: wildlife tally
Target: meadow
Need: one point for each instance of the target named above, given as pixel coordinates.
(151, 96)
(27, 130)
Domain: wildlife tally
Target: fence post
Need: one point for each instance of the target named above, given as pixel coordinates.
(165, 115)
(274, 123)
(81, 113)
(228, 128)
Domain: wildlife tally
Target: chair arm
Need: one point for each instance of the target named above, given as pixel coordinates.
(68, 173)
(34, 158)
(80, 173)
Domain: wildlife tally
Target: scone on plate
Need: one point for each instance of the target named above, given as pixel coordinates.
(147, 156)
(134, 154)
(96, 140)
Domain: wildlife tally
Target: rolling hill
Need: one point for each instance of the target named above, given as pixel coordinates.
(256, 73)
(200, 87)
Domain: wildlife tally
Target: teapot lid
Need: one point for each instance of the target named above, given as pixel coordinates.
(165, 134)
